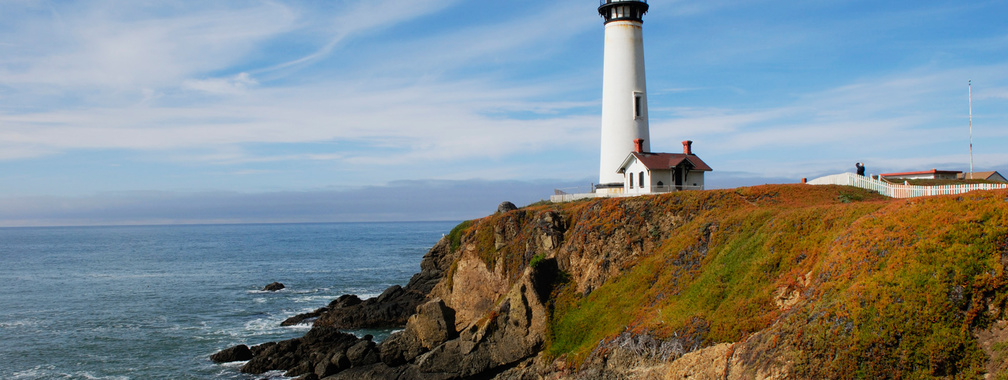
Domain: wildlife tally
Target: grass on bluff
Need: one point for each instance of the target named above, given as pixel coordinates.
(896, 285)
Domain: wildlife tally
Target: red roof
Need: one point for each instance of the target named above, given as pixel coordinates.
(932, 171)
(665, 161)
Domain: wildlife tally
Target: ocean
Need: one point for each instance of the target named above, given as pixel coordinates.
(153, 302)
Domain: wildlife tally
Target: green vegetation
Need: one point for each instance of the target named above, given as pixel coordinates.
(536, 260)
(886, 286)
(455, 235)
(541, 202)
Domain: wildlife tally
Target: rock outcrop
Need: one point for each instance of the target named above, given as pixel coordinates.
(512, 333)
(506, 206)
(749, 283)
(322, 348)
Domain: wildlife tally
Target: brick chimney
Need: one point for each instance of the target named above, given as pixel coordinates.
(638, 145)
(687, 147)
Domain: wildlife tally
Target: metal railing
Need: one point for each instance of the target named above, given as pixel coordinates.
(894, 190)
(560, 196)
(604, 2)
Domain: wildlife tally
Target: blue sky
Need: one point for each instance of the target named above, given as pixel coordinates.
(116, 111)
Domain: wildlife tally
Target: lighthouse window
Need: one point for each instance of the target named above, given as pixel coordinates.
(637, 106)
(641, 183)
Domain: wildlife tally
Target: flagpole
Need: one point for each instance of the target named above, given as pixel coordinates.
(971, 126)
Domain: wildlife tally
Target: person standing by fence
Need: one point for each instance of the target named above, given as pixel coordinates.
(860, 169)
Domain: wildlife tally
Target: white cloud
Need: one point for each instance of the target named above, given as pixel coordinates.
(233, 85)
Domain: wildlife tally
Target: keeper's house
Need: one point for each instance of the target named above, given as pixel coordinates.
(648, 173)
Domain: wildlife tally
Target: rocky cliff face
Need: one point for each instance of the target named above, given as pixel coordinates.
(765, 282)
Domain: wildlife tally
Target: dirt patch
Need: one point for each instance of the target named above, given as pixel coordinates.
(994, 342)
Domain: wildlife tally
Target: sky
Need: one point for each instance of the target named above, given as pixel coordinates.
(150, 112)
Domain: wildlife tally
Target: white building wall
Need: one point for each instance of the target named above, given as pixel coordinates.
(633, 172)
(694, 180)
(622, 78)
(663, 176)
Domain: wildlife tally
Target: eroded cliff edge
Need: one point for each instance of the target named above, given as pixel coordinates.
(784, 281)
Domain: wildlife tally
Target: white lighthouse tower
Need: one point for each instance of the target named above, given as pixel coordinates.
(624, 95)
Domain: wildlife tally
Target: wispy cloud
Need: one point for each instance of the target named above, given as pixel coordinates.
(93, 46)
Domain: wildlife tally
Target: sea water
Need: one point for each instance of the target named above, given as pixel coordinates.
(154, 302)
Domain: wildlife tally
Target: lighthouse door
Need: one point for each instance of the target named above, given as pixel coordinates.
(679, 177)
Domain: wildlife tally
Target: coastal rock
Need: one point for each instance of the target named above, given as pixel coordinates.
(400, 348)
(340, 360)
(363, 353)
(433, 323)
(515, 332)
(300, 356)
(381, 371)
(551, 227)
(326, 368)
(344, 301)
(237, 353)
(506, 206)
(273, 287)
(393, 307)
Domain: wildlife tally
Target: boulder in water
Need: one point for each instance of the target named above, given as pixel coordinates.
(273, 287)
(237, 353)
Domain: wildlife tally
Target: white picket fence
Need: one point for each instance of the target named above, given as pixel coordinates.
(893, 190)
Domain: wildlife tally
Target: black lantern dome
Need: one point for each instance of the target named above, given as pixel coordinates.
(617, 10)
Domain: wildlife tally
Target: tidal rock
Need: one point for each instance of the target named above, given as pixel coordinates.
(344, 301)
(506, 206)
(273, 287)
(391, 309)
(299, 356)
(237, 353)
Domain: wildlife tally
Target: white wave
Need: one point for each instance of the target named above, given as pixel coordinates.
(313, 299)
(275, 375)
(233, 365)
(19, 324)
(35, 373)
(88, 375)
(299, 327)
(311, 291)
(262, 325)
(49, 371)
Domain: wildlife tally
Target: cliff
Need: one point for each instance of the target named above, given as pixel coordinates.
(779, 281)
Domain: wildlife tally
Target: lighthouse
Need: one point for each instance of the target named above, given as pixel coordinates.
(624, 94)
